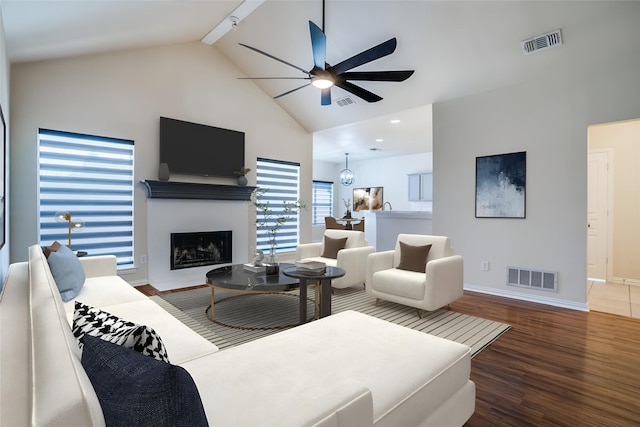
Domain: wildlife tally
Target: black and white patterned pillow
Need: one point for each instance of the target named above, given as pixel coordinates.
(98, 323)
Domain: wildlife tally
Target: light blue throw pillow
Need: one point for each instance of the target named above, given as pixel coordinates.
(67, 271)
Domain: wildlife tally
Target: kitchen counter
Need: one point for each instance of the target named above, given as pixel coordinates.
(382, 227)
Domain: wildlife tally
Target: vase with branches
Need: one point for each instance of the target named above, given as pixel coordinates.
(242, 179)
(271, 220)
(347, 205)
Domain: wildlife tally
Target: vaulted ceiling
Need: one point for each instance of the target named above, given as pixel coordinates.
(456, 48)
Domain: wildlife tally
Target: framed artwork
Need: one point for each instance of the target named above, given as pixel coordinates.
(3, 155)
(501, 185)
(367, 199)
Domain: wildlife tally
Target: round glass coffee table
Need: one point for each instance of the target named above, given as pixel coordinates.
(235, 278)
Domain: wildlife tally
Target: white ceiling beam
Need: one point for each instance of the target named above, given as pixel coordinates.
(245, 9)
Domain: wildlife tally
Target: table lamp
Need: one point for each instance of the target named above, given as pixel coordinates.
(73, 225)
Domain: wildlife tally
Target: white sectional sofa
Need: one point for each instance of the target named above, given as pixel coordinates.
(347, 369)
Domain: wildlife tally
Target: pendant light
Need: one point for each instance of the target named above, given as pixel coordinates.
(346, 176)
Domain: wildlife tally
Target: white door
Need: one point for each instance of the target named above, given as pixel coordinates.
(597, 210)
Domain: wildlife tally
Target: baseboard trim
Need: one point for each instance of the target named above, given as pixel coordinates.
(625, 281)
(137, 282)
(572, 305)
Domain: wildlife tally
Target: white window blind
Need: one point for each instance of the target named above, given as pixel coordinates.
(91, 177)
(322, 201)
(282, 181)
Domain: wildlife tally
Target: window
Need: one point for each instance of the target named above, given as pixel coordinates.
(91, 177)
(322, 201)
(282, 181)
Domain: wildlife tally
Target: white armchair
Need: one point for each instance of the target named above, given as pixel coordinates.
(353, 258)
(440, 284)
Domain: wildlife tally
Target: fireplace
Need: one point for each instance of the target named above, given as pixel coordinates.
(200, 248)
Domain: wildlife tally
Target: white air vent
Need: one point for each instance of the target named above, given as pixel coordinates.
(541, 42)
(343, 102)
(535, 279)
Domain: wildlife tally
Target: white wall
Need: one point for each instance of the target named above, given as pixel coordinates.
(4, 102)
(548, 119)
(122, 95)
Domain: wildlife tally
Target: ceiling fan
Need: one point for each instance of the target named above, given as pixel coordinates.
(324, 75)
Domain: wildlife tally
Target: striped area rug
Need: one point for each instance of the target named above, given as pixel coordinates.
(249, 317)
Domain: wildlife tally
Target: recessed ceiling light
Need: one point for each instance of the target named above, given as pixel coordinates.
(379, 140)
(394, 121)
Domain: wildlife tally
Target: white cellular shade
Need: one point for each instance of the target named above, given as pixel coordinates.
(281, 180)
(92, 178)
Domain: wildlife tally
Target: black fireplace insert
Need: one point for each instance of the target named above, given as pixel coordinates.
(200, 248)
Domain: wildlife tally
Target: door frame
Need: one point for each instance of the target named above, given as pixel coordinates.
(610, 213)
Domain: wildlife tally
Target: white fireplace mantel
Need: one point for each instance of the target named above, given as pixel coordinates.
(166, 216)
(193, 190)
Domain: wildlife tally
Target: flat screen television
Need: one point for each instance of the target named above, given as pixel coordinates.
(197, 149)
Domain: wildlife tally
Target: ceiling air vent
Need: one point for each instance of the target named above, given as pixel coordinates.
(343, 102)
(541, 42)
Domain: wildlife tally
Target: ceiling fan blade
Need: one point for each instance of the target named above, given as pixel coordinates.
(359, 92)
(273, 57)
(377, 76)
(291, 91)
(325, 97)
(318, 45)
(376, 52)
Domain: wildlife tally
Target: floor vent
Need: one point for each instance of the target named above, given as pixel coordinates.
(343, 102)
(541, 42)
(535, 279)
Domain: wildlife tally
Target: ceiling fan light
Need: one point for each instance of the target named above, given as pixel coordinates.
(322, 82)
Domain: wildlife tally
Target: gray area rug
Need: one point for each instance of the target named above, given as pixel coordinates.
(249, 317)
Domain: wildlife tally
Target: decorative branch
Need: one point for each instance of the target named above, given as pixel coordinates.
(271, 220)
(242, 172)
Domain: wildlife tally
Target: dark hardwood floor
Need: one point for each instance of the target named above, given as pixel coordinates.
(554, 367)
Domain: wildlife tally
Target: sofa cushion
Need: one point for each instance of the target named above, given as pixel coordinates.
(135, 390)
(95, 322)
(67, 272)
(413, 258)
(413, 283)
(409, 373)
(105, 291)
(332, 246)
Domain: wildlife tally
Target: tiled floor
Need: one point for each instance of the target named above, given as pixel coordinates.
(614, 298)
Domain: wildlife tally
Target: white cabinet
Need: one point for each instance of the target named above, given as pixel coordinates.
(420, 187)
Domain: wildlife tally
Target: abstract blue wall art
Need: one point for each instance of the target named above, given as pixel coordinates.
(501, 185)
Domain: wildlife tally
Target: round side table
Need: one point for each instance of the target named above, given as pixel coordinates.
(324, 280)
